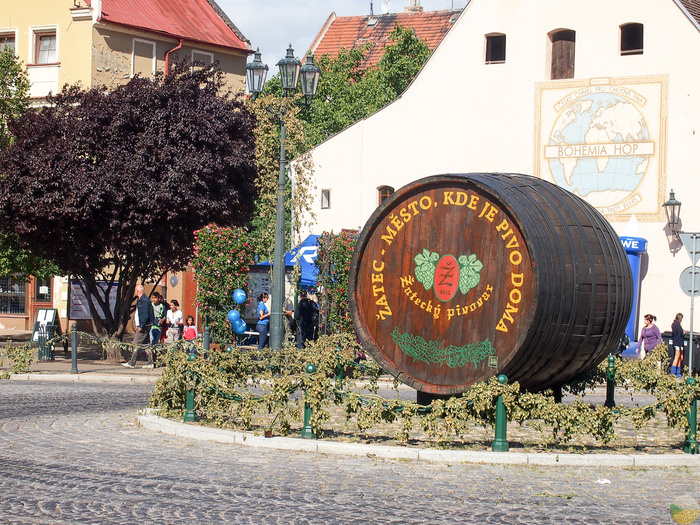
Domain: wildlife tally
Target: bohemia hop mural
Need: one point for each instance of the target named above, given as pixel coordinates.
(604, 140)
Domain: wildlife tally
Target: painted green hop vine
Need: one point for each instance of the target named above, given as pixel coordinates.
(435, 352)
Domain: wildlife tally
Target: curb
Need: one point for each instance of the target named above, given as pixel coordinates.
(248, 439)
(90, 377)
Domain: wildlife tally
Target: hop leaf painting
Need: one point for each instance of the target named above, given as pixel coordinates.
(469, 268)
(425, 268)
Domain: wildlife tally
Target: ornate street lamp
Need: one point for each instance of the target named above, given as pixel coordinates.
(290, 70)
(673, 212)
(256, 73)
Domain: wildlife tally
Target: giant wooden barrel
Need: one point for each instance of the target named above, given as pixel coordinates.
(459, 277)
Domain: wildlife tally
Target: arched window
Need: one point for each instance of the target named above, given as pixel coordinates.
(563, 53)
(384, 192)
(495, 48)
(632, 39)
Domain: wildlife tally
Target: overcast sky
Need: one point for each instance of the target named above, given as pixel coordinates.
(272, 25)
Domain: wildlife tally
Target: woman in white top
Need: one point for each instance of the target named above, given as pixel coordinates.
(174, 322)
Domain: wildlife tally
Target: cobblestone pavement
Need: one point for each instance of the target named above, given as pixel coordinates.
(72, 453)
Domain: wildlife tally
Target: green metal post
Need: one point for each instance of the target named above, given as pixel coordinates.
(610, 374)
(338, 369)
(74, 349)
(190, 414)
(307, 432)
(500, 444)
(691, 442)
(206, 338)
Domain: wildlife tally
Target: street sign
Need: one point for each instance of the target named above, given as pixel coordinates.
(691, 241)
(686, 280)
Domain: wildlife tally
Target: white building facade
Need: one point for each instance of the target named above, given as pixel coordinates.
(599, 98)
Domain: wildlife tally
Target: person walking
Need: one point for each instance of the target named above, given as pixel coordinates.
(160, 317)
(306, 316)
(677, 339)
(650, 337)
(143, 319)
(263, 319)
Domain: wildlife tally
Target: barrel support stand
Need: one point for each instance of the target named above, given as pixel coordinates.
(307, 431)
(610, 376)
(190, 414)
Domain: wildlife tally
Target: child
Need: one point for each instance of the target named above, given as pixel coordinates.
(190, 331)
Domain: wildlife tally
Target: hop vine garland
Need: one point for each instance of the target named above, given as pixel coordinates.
(434, 352)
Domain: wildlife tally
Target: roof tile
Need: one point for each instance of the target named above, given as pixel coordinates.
(350, 32)
(193, 20)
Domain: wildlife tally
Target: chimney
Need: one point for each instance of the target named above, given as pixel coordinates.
(414, 7)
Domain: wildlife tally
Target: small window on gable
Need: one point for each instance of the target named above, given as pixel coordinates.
(45, 48)
(495, 48)
(325, 199)
(143, 58)
(7, 41)
(384, 192)
(632, 39)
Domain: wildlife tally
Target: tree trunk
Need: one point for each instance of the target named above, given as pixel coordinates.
(114, 351)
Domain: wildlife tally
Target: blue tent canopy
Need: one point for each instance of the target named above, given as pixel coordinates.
(304, 254)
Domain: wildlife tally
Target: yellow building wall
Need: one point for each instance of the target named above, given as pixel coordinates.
(72, 41)
(119, 53)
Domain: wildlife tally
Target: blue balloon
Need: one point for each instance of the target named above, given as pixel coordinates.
(240, 327)
(233, 316)
(239, 296)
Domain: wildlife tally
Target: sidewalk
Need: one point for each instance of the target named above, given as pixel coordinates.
(90, 367)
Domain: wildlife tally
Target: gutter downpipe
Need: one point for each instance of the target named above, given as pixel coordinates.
(167, 57)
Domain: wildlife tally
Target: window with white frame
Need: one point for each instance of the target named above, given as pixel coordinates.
(143, 58)
(202, 58)
(7, 40)
(325, 199)
(43, 45)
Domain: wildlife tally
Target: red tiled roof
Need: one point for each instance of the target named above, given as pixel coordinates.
(192, 20)
(350, 32)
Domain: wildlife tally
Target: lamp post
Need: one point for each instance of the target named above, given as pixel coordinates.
(290, 69)
(690, 241)
(673, 212)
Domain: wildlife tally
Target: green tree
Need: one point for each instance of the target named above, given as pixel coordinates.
(112, 185)
(347, 92)
(14, 91)
(21, 264)
(403, 58)
(14, 100)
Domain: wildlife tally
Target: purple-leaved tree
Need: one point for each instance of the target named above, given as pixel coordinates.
(111, 185)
